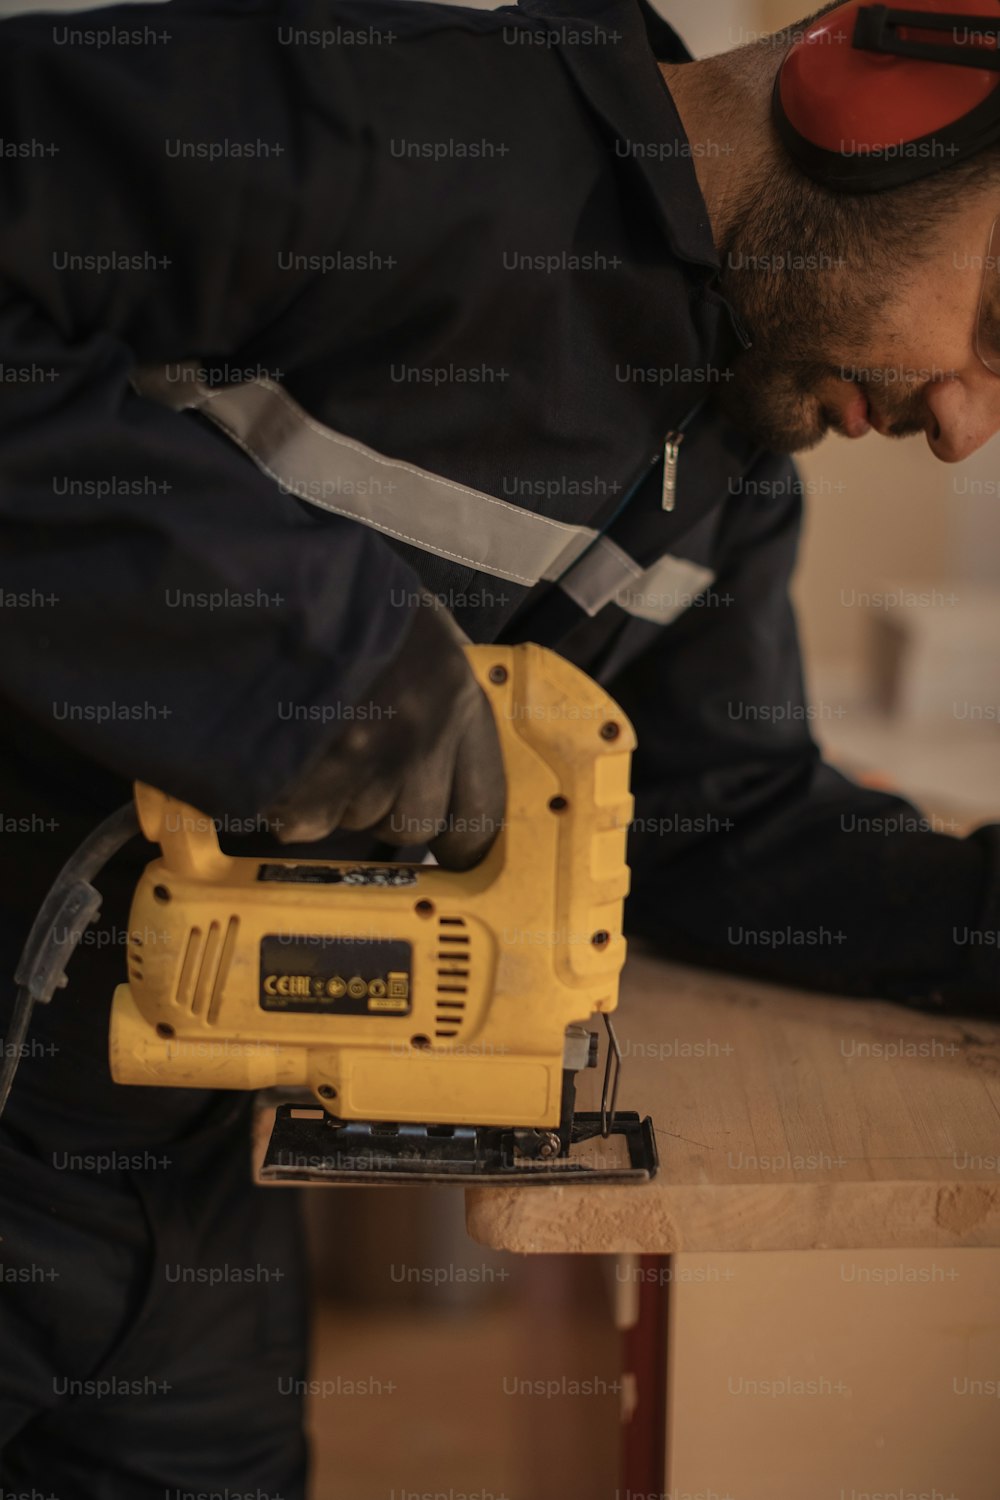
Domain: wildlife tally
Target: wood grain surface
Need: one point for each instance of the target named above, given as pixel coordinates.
(785, 1121)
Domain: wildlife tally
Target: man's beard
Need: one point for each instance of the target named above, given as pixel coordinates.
(812, 325)
(770, 400)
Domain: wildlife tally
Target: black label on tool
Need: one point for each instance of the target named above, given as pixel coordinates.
(386, 876)
(336, 976)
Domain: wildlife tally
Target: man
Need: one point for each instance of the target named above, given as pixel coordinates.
(330, 325)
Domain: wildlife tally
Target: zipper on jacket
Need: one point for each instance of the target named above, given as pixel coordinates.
(671, 459)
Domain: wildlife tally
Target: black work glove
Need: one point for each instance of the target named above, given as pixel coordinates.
(423, 767)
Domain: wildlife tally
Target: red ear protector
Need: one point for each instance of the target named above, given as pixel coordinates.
(874, 96)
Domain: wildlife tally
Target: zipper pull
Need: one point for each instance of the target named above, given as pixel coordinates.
(671, 455)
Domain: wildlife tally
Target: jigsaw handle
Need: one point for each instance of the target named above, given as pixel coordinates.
(558, 868)
(566, 746)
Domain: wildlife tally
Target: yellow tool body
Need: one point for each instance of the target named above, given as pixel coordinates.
(398, 992)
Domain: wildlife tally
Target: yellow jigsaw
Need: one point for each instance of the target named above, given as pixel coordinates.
(432, 1018)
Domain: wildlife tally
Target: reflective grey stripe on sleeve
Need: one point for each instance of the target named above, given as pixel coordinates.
(340, 474)
(607, 575)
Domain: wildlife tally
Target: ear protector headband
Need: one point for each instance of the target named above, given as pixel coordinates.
(875, 96)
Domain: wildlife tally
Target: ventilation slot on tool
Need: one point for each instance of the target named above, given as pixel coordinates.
(135, 958)
(453, 954)
(205, 967)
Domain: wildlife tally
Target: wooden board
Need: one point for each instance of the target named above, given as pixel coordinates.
(785, 1121)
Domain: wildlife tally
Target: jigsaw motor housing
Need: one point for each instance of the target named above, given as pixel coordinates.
(397, 992)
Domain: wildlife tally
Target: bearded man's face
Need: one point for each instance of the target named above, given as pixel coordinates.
(851, 337)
